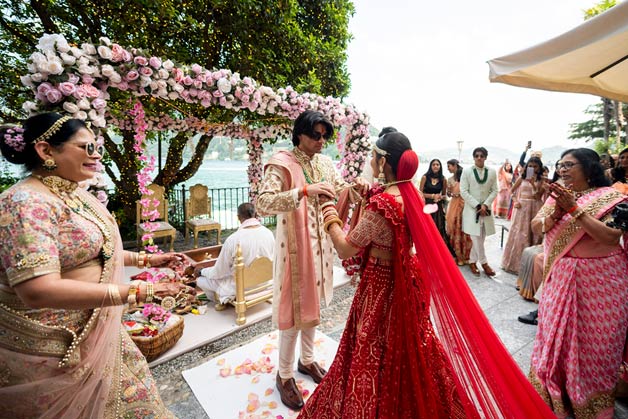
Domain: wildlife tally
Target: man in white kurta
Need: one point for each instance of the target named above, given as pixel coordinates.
(255, 241)
(478, 188)
(303, 268)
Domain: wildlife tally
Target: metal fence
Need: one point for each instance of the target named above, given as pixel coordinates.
(224, 206)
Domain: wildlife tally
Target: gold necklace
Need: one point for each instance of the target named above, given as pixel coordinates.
(66, 190)
(580, 194)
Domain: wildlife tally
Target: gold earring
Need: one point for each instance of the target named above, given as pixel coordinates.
(50, 165)
(381, 178)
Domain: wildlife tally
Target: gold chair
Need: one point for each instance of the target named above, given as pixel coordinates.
(254, 284)
(164, 229)
(198, 214)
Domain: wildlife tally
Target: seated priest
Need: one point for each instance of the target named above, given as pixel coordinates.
(255, 240)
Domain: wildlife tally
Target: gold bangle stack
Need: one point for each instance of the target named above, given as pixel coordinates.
(148, 256)
(330, 222)
(113, 292)
(150, 292)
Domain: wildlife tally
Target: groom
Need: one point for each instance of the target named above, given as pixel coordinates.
(478, 188)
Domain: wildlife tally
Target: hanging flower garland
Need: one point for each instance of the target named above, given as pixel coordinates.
(256, 167)
(75, 81)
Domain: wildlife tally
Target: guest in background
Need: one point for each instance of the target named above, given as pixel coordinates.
(583, 314)
(434, 188)
(618, 174)
(504, 183)
(527, 193)
(478, 188)
(255, 240)
(459, 241)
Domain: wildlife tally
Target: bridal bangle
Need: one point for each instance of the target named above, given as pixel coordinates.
(150, 292)
(114, 294)
(133, 292)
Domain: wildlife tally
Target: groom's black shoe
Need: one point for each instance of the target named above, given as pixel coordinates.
(530, 318)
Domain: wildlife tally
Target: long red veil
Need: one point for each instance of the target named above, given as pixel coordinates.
(485, 370)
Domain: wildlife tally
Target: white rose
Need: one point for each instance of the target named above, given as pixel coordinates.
(83, 61)
(162, 93)
(99, 122)
(163, 74)
(161, 84)
(88, 49)
(115, 78)
(173, 95)
(77, 52)
(93, 114)
(70, 107)
(105, 40)
(68, 59)
(84, 104)
(154, 85)
(29, 106)
(80, 115)
(38, 58)
(26, 81)
(86, 69)
(62, 44)
(178, 88)
(55, 66)
(37, 77)
(107, 70)
(168, 65)
(224, 85)
(145, 81)
(46, 42)
(105, 52)
(32, 68)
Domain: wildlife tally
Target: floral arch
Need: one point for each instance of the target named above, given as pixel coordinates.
(75, 81)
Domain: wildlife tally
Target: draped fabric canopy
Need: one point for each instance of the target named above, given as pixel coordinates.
(591, 58)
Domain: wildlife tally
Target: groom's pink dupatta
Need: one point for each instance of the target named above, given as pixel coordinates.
(32, 384)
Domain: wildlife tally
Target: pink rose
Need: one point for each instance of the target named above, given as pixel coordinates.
(146, 71)
(187, 80)
(67, 88)
(53, 95)
(155, 62)
(178, 74)
(98, 103)
(123, 85)
(117, 53)
(127, 57)
(139, 60)
(132, 75)
(87, 79)
(44, 88)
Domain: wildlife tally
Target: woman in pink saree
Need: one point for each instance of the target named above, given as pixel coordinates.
(63, 353)
(583, 313)
(504, 180)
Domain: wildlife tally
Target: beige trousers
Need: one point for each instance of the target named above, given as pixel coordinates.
(287, 346)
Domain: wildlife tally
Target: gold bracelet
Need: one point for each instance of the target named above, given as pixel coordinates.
(543, 225)
(141, 256)
(326, 204)
(578, 214)
(148, 256)
(150, 292)
(114, 294)
(329, 223)
(133, 291)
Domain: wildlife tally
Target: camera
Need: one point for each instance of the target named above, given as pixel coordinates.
(620, 217)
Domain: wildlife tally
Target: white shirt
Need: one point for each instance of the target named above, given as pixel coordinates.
(255, 240)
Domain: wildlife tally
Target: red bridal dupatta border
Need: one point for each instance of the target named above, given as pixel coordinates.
(486, 373)
(566, 233)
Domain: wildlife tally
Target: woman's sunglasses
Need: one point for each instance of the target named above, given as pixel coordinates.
(92, 148)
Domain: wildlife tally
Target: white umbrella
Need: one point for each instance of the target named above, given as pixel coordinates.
(591, 58)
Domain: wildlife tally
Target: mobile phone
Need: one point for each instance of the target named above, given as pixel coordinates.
(529, 173)
(529, 144)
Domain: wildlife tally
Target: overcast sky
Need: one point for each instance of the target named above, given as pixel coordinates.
(421, 66)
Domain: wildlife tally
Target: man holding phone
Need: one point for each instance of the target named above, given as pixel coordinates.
(478, 187)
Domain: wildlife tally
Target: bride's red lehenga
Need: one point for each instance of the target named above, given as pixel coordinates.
(389, 364)
(416, 343)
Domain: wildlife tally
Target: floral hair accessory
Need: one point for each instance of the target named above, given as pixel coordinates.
(14, 138)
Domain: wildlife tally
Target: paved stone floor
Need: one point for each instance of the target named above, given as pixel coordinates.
(497, 297)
